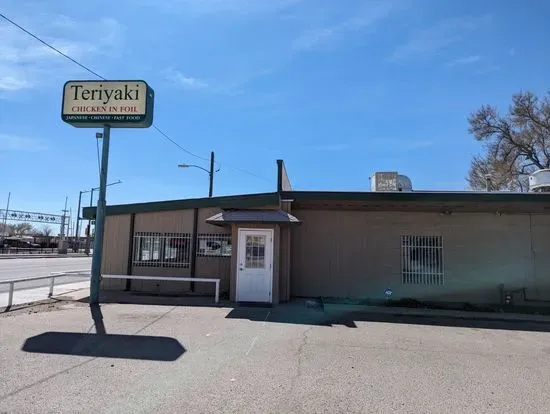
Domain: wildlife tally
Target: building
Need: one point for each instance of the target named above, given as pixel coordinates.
(475, 247)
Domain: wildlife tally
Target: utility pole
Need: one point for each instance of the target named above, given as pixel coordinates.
(211, 174)
(62, 247)
(78, 215)
(4, 230)
(100, 219)
(89, 228)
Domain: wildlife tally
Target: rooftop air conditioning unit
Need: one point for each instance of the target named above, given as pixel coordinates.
(539, 181)
(390, 181)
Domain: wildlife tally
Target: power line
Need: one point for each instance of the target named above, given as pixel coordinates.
(52, 47)
(178, 145)
(103, 78)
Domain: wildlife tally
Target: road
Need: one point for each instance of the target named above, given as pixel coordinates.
(21, 268)
(286, 359)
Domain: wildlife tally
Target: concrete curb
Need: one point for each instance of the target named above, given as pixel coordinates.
(437, 313)
(41, 256)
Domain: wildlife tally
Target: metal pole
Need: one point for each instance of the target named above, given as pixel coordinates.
(87, 247)
(78, 216)
(61, 246)
(5, 230)
(100, 219)
(211, 174)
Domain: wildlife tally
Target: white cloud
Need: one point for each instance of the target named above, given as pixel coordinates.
(439, 36)
(468, 60)
(27, 63)
(10, 142)
(320, 36)
(186, 82)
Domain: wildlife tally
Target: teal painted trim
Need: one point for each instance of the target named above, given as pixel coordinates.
(226, 202)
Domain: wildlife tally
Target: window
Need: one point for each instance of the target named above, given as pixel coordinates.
(214, 245)
(161, 250)
(176, 250)
(147, 249)
(422, 260)
(255, 252)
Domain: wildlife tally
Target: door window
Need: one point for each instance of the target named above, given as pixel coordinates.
(255, 252)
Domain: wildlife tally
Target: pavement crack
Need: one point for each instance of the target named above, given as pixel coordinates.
(299, 364)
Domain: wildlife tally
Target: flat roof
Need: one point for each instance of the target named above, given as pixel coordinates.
(483, 200)
(420, 196)
(236, 201)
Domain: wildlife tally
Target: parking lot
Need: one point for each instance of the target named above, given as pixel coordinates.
(146, 358)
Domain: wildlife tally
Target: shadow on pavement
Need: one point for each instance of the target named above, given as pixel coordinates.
(152, 348)
(289, 313)
(102, 344)
(445, 321)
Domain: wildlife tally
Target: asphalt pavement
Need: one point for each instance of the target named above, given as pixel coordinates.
(21, 268)
(123, 358)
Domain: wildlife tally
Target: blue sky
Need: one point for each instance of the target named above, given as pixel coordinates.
(338, 89)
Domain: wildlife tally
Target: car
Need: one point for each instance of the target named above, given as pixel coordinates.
(18, 243)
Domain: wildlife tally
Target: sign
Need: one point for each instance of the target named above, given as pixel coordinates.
(118, 104)
(388, 292)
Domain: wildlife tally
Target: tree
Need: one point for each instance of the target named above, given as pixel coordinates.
(515, 145)
(46, 231)
(21, 229)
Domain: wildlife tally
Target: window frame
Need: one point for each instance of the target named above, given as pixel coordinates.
(429, 252)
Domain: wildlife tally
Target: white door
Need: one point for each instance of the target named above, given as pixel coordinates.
(255, 265)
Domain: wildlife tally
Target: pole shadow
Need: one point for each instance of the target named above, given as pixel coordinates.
(102, 344)
(151, 348)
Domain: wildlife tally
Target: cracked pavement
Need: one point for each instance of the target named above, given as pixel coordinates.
(285, 359)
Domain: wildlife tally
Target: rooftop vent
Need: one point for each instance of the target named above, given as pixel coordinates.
(390, 181)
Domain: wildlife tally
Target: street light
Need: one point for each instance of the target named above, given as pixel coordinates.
(209, 172)
(78, 218)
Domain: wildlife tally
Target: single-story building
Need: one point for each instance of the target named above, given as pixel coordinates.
(474, 247)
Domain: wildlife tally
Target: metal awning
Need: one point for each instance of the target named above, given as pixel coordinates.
(253, 216)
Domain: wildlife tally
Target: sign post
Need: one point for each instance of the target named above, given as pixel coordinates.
(100, 218)
(107, 104)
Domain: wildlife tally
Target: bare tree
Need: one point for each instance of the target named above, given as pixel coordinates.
(46, 231)
(515, 145)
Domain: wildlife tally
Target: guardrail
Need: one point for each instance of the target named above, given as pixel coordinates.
(27, 250)
(51, 276)
(170, 279)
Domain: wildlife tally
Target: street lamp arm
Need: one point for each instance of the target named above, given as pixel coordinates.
(195, 166)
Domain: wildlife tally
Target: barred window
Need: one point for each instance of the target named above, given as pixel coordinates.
(177, 250)
(422, 260)
(214, 245)
(147, 249)
(161, 250)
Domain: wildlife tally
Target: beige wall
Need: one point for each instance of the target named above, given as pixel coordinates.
(355, 254)
(116, 243)
(116, 250)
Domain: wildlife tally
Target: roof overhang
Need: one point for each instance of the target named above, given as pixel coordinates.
(228, 217)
